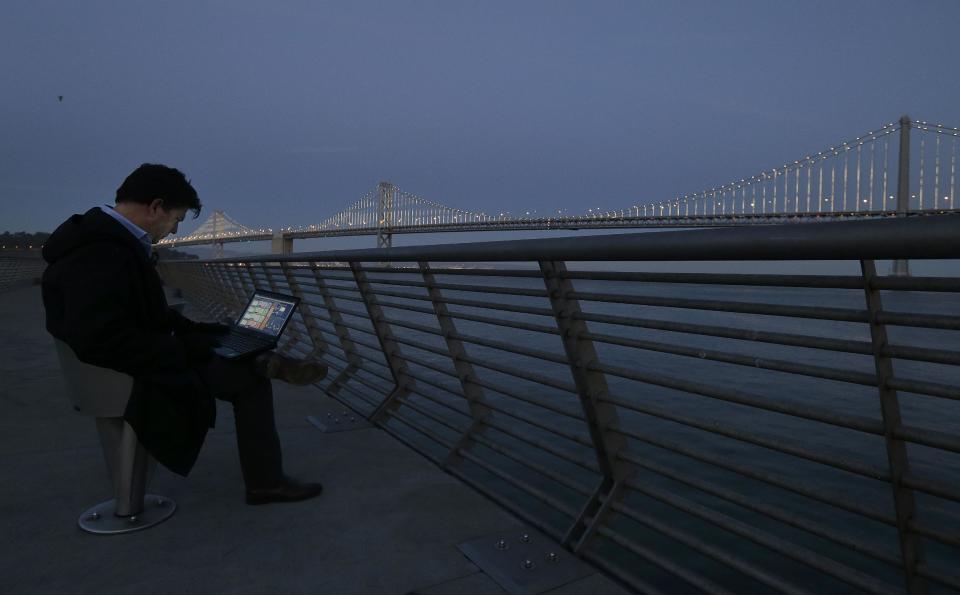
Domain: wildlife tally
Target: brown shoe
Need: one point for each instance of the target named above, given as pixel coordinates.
(294, 371)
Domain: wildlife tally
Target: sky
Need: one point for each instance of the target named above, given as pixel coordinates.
(283, 113)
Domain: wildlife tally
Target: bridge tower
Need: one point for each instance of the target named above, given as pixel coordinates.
(218, 225)
(385, 195)
(901, 266)
(281, 244)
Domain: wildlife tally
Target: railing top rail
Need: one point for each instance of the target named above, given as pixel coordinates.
(928, 237)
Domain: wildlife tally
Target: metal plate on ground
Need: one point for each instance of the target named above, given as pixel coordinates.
(524, 562)
(101, 520)
(332, 416)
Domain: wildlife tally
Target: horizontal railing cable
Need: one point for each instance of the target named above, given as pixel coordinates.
(811, 281)
(919, 320)
(935, 534)
(758, 506)
(476, 304)
(513, 413)
(621, 573)
(500, 345)
(792, 340)
(528, 463)
(819, 313)
(509, 370)
(916, 284)
(934, 356)
(666, 564)
(459, 429)
(434, 399)
(790, 550)
(785, 483)
(928, 437)
(447, 445)
(500, 290)
(859, 423)
(691, 541)
(948, 580)
(588, 464)
(844, 464)
(760, 363)
(431, 382)
(362, 396)
(519, 484)
(527, 326)
(538, 423)
(547, 405)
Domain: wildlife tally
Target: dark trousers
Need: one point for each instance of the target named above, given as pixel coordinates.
(251, 394)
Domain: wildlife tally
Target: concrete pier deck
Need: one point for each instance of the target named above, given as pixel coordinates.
(388, 522)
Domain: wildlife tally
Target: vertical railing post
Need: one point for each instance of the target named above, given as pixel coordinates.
(591, 386)
(903, 498)
(254, 284)
(221, 298)
(268, 273)
(245, 284)
(210, 292)
(353, 357)
(464, 369)
(187, 279)
(292, 336)
(306, 313)
(233, 282)
(901, 266)
(388, 345)
(228, 292)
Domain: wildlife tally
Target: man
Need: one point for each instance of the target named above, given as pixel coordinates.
(104, 298)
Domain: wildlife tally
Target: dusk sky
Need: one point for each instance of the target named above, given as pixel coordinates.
(283, 113)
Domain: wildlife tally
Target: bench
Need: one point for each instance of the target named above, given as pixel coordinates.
(102, 393)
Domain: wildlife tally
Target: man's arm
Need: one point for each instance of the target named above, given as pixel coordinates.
(98, 316)
(184, 326)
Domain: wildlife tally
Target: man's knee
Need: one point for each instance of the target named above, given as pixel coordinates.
(233, 379)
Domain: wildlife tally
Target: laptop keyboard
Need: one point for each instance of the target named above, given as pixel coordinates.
(241, 343)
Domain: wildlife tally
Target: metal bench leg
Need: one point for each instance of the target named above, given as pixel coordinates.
(131, 469)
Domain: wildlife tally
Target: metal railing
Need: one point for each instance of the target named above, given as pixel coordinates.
(793, 432)
(18, 269)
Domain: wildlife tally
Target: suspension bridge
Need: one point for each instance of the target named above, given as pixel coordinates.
(908, 167)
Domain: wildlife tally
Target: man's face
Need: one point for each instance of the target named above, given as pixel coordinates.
(164, 222)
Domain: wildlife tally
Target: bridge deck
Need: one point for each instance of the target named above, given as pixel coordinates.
(388, 521)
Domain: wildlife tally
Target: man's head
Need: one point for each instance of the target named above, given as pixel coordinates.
(156, 198)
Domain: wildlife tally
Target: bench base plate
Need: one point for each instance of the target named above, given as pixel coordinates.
(101, 520)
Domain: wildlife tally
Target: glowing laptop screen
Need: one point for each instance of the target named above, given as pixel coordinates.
(266, 314)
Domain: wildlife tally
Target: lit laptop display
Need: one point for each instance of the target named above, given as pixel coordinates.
(266, 314)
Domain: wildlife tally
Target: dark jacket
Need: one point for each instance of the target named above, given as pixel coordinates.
(104, 298)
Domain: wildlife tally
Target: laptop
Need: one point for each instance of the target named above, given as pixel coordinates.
(259, 327)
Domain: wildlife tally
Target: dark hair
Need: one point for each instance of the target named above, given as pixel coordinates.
(151, 181)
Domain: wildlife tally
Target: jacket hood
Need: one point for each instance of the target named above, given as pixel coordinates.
(92, 227)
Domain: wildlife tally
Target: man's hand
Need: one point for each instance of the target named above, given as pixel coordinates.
(213, 328)
(199, 346)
